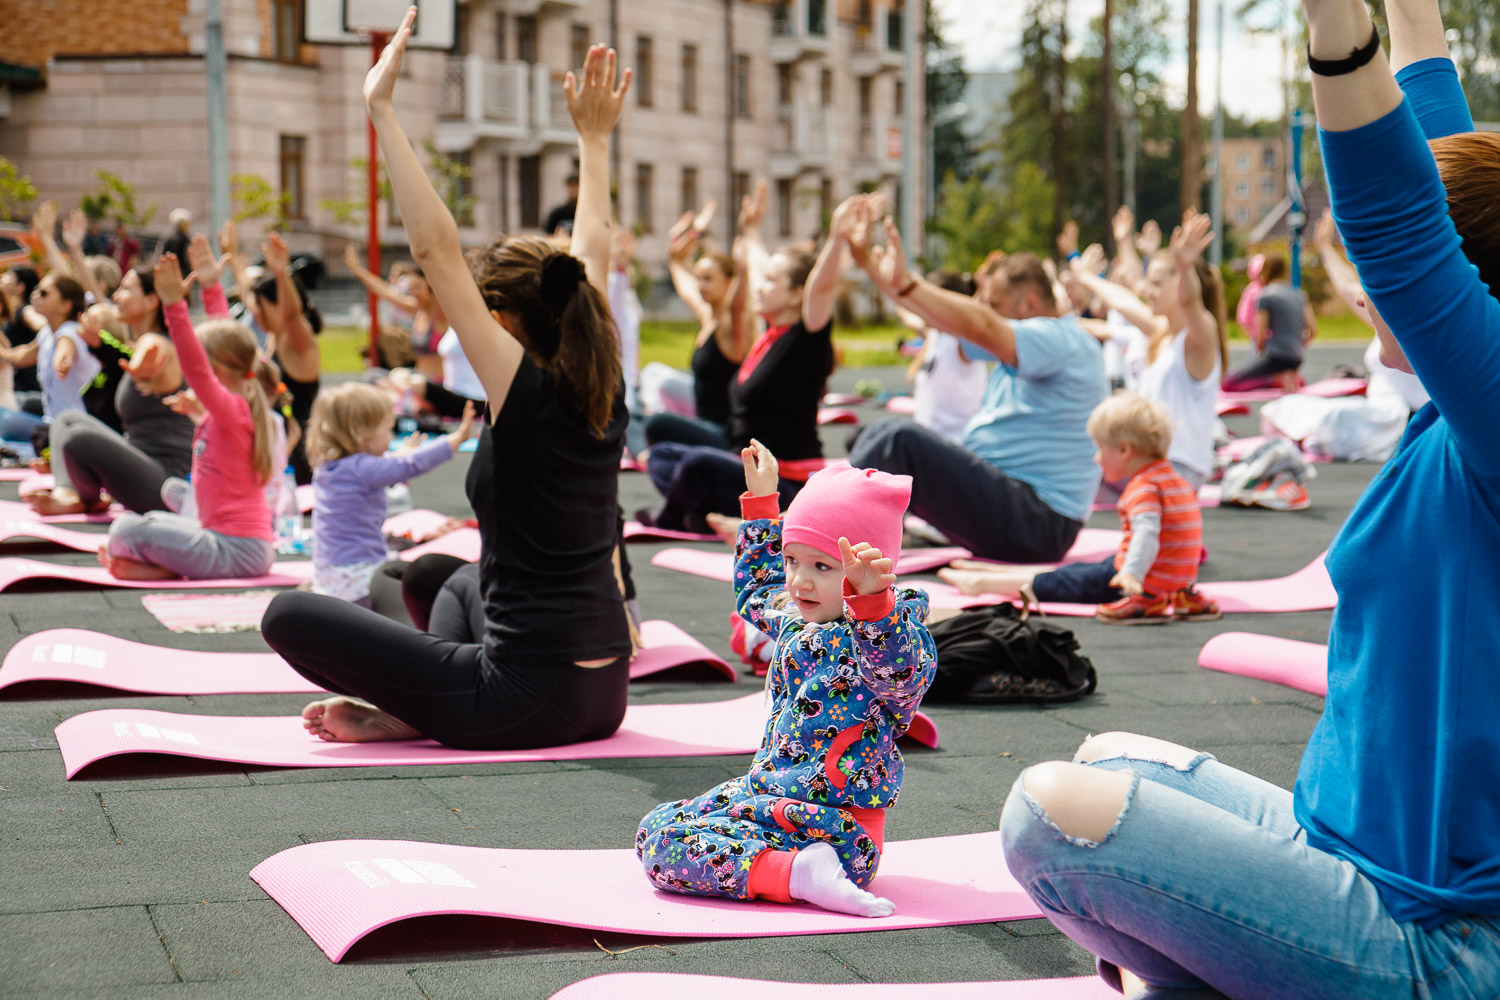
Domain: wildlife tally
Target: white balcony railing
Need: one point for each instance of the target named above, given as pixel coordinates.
(877, 140)
(804, 136)
(480, 97)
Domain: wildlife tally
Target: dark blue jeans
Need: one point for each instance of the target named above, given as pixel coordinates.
(1078, 583)
(975, 504)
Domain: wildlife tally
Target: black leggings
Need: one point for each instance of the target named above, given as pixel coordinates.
(90, 457)
(447, 403)
(440, 683)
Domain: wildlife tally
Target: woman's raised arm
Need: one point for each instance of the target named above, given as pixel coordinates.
(595, 102)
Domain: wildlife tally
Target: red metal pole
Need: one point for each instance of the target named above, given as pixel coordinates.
(378, 42)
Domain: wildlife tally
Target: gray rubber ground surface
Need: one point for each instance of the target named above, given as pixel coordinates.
(133, 881)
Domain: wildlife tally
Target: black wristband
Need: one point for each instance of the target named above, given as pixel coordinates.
(1339, 67)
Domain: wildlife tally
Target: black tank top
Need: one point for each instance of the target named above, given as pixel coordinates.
(19, 332)
(712, 372)
(303, 395)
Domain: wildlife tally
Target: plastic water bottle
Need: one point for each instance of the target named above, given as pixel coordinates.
(290, 537)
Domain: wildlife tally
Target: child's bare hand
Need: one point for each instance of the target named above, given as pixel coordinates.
(865, 568)
(185, 403)
(465, 427)
(761, 470)
(1127, 583)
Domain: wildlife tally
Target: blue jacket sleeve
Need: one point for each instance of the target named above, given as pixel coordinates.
(760, 577)
(1392, 211)
(1432, 87)
(388, 470)
(897, 655)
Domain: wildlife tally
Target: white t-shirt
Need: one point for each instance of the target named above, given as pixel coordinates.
(1190, 401)
(458, 374)
(60, 395)
(948, 389)
(1125, 351)
(1388, 384)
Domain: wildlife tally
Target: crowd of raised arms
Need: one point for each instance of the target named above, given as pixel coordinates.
(1044, 389)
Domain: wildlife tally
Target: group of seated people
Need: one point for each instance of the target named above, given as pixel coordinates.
(1377, 876)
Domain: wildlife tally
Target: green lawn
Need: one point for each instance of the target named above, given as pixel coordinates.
(672, 342)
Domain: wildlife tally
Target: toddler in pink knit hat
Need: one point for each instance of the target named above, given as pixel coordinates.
(852, 660)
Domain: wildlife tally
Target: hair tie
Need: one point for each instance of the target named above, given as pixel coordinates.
(281, 388)
(250, 374)
(561, 275)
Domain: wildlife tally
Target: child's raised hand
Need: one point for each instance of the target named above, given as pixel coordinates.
(75, 229)
(866, 569)
(207, 269)
(465, 427)
(1127, 582)
(185, 403)
(760, 469)
(278, 257)
(169, 285)
(1148, 240)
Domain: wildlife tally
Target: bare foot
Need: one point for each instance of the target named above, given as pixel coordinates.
(727, 528)
(40, 465)
(349, 720)
(130, 569)
(972, 582)
(50, 503)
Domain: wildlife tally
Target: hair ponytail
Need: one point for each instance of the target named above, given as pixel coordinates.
(1212, 283)
(564, 322)
(231, 346)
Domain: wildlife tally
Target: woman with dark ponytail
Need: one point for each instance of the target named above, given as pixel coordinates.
(530, 647)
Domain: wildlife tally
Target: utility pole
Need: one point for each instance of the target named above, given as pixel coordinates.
(215, 67)
(1111, 166)
(1192, 126)
(913, 32)
(1216, 248)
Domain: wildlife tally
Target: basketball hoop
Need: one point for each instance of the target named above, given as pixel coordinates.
(372, 22)
(356, 22)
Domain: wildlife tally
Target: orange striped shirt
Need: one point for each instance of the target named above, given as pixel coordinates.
(1159, 489)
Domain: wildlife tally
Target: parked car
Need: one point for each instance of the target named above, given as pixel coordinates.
(16, 243)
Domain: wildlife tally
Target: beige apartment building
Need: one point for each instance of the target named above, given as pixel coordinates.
(1254, 181)
(806, 94)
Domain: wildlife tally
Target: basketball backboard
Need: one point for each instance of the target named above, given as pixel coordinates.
(348, 22)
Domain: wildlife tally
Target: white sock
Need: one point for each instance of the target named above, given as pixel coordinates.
(819, 879)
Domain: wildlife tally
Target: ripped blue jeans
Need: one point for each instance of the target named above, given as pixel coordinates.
(1206, 887)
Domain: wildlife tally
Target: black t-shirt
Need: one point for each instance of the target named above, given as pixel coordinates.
(152, 427)
(561, 217)
(544, 491)
(177, 244)
(19, 332)
(712, 374)
(777, 403)
(303, 394)
(99, 397)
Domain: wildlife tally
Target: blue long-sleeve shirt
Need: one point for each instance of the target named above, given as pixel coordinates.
(1399, 775)
(349, 501)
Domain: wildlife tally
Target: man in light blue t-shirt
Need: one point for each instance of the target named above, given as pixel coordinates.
(1020, 486)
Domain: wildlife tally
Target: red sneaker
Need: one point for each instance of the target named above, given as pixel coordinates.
(1141, 609)
(1190, 606)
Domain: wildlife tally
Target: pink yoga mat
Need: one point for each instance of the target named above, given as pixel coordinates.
(1308, 589)
(338, 891)
(1330, 388)
(15, 510)
(79, 541)
(1092, 545)
(108, 661)
(1300, 665)
(692, 730)
(675, 986)
(837, 415)
(14, 474)
(905, 405)
(842, 399)
(36, 481)
(1251, 395)
(635, 531)
(1230, 408)
(14, 570)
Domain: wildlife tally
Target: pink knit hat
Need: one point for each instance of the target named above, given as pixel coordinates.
(862, 505)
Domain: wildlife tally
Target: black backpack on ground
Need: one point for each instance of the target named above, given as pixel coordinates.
(994, 656)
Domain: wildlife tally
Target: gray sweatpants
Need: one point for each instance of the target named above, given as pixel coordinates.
(187, 548)
(90, 458)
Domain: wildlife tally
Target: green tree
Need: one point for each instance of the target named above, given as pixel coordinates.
(350, 210)
(255, 198)
(116, 197)
(946, 83)
(16, 192)
(451, 177)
